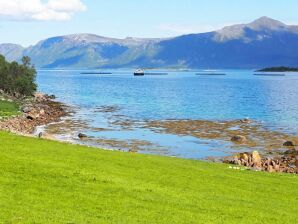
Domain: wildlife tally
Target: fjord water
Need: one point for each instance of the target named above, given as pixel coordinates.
(98, 100)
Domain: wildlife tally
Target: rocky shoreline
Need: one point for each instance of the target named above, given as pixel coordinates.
(286, 162)
(37, 111)
(278, 152)
(43, 110)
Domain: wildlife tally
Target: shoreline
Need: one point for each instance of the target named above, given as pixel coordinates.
(43, 110)
(40, 110)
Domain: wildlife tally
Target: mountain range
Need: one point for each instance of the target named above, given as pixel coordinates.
(262, 43)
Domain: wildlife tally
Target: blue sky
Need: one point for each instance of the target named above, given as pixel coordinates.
(39, 19)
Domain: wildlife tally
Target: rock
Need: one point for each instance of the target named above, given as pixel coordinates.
(256, 158)
(27, 109)
(287, 163)
(46, 107)
(42, 112)
(238, 162)
(276, 168)
(239, 139)
(244, 156)
(245, 121)
(39, 97)
(81, 135)
(30, 117)
(270, 169)
(289, 144)
(233, 160)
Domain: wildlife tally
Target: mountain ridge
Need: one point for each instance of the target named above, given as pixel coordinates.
(238, 46)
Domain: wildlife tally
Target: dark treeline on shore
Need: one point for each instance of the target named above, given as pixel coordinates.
(279, 69)
(17, 79)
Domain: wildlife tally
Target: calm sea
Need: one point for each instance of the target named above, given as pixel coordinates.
(103, 102)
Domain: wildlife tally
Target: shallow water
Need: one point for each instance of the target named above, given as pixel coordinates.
(114, 106)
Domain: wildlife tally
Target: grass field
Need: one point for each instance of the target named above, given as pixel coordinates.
(8, 109)
(44, 181)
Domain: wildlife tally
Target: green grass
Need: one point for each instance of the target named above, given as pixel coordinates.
(8, 109)
(44, 181)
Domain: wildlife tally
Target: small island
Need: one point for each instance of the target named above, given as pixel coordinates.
(279, 69)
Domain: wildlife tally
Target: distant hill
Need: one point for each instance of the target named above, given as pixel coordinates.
(263, 43)
(279, 69)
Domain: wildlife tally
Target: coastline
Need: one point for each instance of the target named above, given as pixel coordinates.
(40, 110)
(43, 110)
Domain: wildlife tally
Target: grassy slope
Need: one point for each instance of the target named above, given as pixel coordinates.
(8, 108)
(49, 182)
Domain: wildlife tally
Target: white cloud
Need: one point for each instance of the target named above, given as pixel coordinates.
(40, 9)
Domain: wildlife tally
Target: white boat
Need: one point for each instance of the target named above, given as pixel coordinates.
(139, 72)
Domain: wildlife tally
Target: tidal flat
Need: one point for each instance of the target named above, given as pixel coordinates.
(257, 136)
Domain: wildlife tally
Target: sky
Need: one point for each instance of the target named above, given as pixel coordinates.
(26, 22)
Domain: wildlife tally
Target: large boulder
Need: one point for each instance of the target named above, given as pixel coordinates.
(244, 156)
(256, 158)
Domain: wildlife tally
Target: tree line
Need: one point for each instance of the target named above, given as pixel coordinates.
(17, 79)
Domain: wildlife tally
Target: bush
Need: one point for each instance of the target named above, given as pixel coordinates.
(17, 79)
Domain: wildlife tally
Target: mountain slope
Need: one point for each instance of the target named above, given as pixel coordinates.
(264, 42)
(11, 51)
(88, 50)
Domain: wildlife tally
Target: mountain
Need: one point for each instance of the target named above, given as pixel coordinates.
(11, 51)
(263, 43)
(87, 50)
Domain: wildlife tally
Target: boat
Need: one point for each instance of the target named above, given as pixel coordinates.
(139, 72)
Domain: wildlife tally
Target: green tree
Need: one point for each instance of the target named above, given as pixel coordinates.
(17, 79)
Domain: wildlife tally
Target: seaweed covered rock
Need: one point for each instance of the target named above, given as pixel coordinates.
(289, 144)
(239, 139)
(81, 135)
